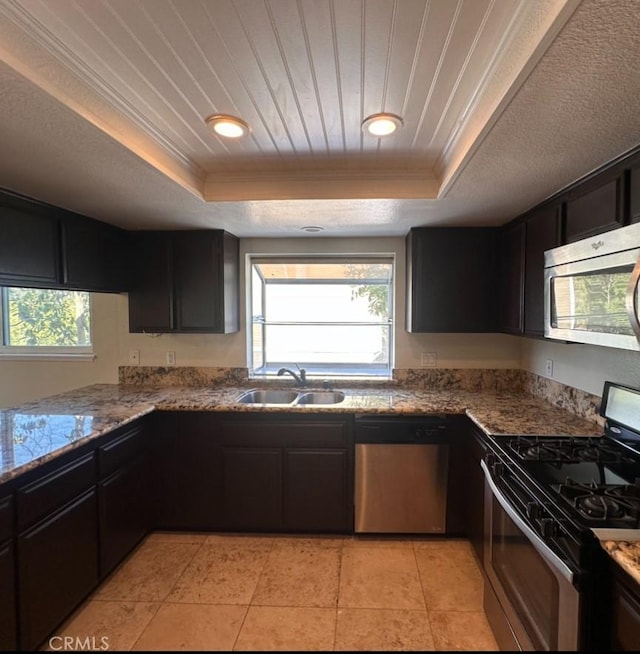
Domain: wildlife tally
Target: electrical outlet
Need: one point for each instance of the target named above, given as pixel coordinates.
(429, 359)
(134, 357)
(171, 358)
(549, 368)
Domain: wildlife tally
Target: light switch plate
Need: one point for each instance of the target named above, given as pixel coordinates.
(171, 358)
(134, 357)
(549, 368)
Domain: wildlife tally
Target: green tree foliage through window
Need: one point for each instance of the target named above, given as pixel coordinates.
(40, 317)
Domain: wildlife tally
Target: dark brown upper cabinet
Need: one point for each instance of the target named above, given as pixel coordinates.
(451, 279)
(95, 255)
(29, 247)
(185, 281)
(511, 258)
(596, 206)
(542, 233)
(43, 246)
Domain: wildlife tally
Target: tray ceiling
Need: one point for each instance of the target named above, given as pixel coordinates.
(128, 84)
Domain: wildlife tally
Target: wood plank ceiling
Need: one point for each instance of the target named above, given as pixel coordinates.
(303, 73)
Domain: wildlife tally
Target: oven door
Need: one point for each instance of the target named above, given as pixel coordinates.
(533, 586)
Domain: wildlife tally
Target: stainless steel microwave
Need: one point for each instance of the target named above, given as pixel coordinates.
(591, 290)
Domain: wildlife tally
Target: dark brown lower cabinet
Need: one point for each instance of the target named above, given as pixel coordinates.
(187, 475)
(625, 609)
(123, 510)
(287, 472)
(252, 488)
(465, 502)
(8, 633)
(57, 568)
(316, 490)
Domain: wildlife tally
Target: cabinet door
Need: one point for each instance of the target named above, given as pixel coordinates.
(252, 488)
(187, 477)
(8, 631)
(542, 235)
(197, 261)
(123, 505)
(511, 279)
(451, 279)
(151, 293)
(28, 248)
(316, 491)
(626, 616)
(597, 210)
(95, 255)
(57, 567)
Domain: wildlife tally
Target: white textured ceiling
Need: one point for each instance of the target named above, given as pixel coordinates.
(103, 102)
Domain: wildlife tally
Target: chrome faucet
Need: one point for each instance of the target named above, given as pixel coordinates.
(301, 380)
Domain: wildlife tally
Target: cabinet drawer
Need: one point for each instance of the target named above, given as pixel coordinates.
(120, 451)
(6, 517)
(54, 489)
(292, 433)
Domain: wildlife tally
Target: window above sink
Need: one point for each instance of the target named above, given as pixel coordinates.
(331, 316)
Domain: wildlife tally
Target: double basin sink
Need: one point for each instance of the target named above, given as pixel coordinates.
(290, 398)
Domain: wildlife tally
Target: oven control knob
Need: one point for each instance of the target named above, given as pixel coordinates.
(548, 527)
(533, 511)
(498, 468)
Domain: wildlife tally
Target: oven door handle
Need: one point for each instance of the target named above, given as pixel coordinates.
(540, 546)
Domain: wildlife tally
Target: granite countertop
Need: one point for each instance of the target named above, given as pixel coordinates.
(626, 553)
(36, 432)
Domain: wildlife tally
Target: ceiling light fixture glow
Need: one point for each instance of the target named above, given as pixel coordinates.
(227, 126)
(381, 124)
(312, 229)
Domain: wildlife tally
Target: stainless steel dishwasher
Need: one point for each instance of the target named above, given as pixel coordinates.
(401, 472)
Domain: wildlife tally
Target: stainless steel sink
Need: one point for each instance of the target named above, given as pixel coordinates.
(267, 396)
(321, 397)
(292, 398)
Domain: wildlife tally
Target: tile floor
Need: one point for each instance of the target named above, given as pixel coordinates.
(237, 592)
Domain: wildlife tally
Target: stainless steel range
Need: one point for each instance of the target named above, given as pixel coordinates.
(544, 498)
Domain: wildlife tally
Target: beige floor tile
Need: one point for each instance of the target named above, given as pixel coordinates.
(175, 537)
(383, 630)
(379, 578)
(306, 539)
(149, 574)
(269, 628)
(451, 579)
(192, 627)
(378, 541)
(264, 540)
(300, 573)
(222, 573)
(461, 631)
(107, 625)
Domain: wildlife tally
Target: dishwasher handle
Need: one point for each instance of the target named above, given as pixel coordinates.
(402, 433)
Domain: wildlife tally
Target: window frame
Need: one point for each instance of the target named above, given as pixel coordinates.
(43, 352)
(386, 370)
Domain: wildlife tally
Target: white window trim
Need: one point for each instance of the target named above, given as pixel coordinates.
(49, 352)
(251, 257)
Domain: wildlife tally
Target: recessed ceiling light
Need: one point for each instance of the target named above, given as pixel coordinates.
(381, 124)
(227, 126)
(312, 229)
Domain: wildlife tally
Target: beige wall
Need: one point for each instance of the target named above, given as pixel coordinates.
(25, 380)
(585, 367)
